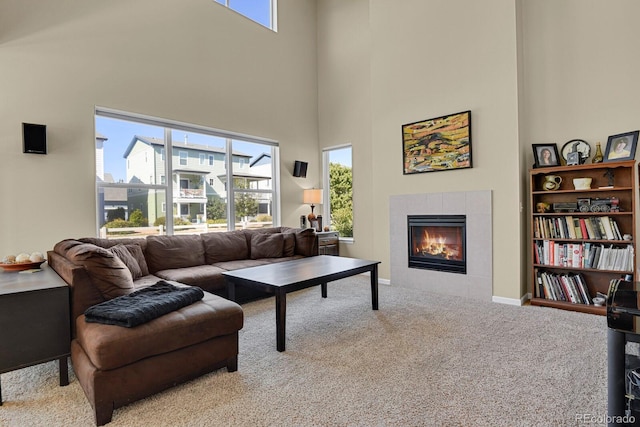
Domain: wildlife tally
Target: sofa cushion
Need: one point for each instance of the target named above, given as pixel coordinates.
(266, 245)
(241, 263)
(125, 256)
(225, 246)
(107, 243)
(306, 242)
(289, 246)
(206, 277)
(137, 253)
(108, 273)
(166, 252)
(110, 347)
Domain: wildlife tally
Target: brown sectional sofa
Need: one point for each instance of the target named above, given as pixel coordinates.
(117, 365)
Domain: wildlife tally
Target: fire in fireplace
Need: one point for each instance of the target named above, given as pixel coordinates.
(437, 242)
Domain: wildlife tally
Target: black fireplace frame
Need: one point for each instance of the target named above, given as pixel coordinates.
(437, 263)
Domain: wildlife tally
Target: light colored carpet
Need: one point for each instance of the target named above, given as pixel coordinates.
(421, 360)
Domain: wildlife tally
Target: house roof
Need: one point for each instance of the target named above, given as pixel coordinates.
(196, 147)
(264, 158)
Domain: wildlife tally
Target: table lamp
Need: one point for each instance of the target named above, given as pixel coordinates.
(312, 196)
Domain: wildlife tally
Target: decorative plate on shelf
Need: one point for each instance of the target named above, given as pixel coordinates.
(576, 145)
(21, 266)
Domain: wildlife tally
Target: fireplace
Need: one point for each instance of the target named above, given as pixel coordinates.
(437, 242)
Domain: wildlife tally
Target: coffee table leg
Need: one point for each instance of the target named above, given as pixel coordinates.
(231, 290)
(281, 314)
(323, 287)
(374, 286)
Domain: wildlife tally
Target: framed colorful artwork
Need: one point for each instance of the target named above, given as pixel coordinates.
(439, 144)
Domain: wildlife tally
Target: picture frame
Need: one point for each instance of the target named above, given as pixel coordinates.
(438, 144)
(546, 155)
(621, 147)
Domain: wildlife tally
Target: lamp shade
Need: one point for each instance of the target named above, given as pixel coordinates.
(312, 196)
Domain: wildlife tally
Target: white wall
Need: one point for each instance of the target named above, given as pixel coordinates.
(187, 60)
(543, 71)
(401, 62)
(580, 64)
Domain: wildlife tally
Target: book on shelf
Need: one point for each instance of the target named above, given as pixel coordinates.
(583, 228)
(606, 222)
(568, 287)
(584, 255)
(571, 228)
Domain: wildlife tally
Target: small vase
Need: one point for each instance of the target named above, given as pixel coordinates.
(598, 157)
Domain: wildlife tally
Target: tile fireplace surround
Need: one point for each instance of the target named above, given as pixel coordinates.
(476, 205)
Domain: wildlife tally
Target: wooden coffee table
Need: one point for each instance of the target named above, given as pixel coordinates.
(283, 277)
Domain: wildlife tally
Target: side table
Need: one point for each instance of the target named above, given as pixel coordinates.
(34, 321)
(328, 243)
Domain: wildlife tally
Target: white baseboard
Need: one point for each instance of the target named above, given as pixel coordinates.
(380, 281)
(510, 301)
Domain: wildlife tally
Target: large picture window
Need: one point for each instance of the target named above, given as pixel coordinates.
(338, 184)
(139, 187)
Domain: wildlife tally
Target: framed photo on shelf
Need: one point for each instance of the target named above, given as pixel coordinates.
(546, 155)
(621, 147)
(438, 144)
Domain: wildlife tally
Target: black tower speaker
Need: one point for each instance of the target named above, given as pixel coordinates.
(34, 138)
(300, 169)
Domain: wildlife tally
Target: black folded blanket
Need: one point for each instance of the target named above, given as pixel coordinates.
(143, 305)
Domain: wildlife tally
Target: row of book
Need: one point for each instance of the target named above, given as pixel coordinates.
(563, 287)
(568, 227)
(584, 255)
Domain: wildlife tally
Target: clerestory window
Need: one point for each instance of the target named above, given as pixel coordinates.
(261, 11)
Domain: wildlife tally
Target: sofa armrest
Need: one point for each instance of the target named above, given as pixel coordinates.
(82, 292)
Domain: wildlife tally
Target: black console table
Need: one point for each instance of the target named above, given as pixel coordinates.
(623, 319)
(34, 321)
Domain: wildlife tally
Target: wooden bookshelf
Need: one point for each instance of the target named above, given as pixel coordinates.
(575, 259)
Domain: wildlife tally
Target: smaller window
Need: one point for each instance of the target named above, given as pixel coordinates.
(211, 182)
(260, 11)
(163, 180)
(210, 160)
(183, 158)
(338, 179)
(202, 158)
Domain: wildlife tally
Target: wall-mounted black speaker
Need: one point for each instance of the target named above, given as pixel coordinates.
(34, 138)
(300, 169)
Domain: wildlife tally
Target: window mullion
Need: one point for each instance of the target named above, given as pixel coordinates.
(168, 172)
(231, 201)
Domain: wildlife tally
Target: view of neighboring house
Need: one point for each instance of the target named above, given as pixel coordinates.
(198, 173)
(109, 199)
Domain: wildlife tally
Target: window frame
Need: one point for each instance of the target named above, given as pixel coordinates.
(273, 13)
(169, 126)
(326, 202)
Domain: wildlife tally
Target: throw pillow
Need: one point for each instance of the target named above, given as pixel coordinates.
(289, 248)
(225, 246)
(267, 245)
(167, 252)
(108, 273)
(136, 251)
(122, 252)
